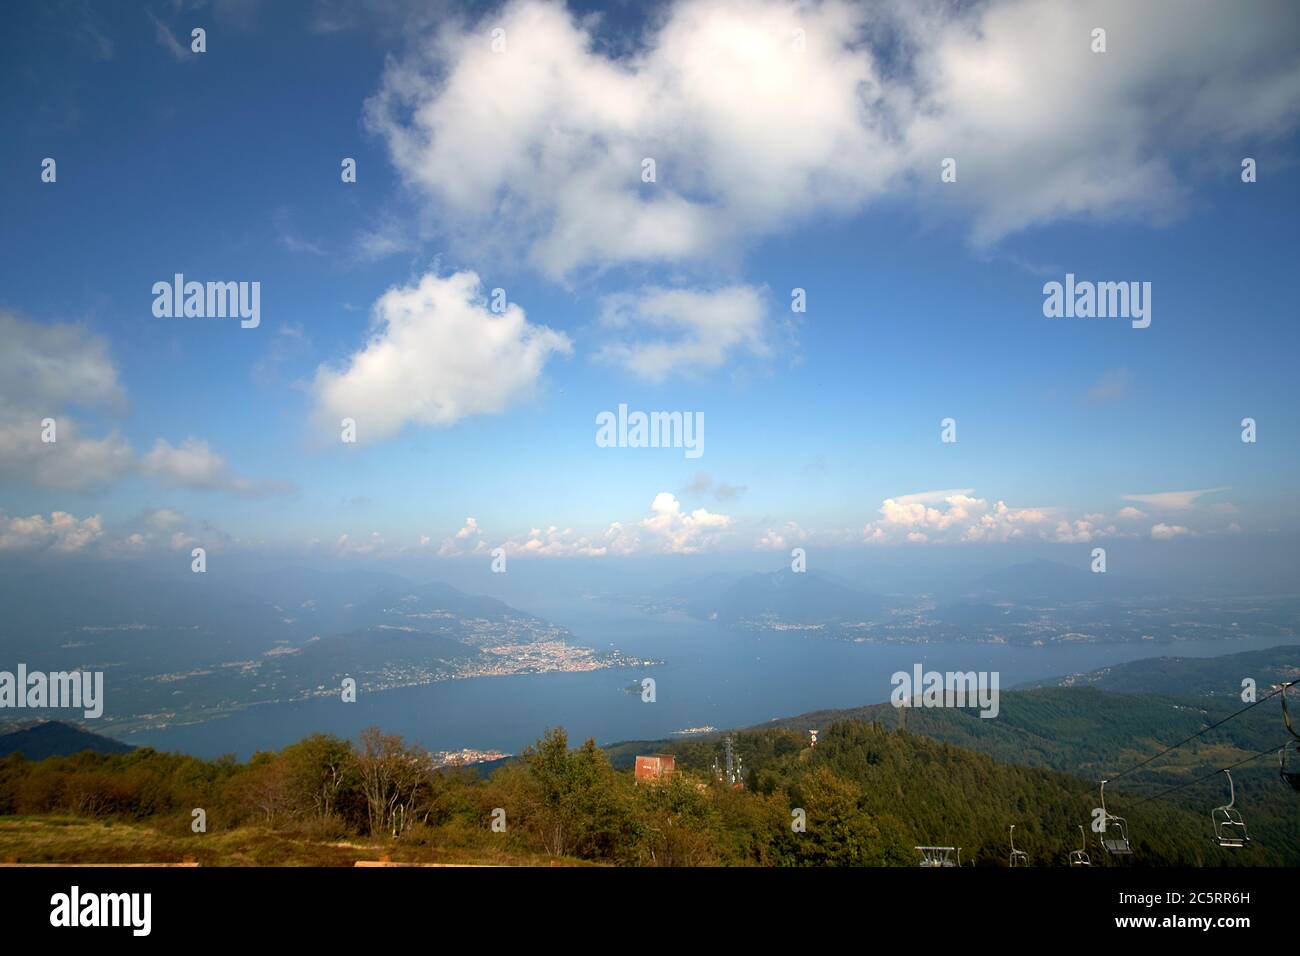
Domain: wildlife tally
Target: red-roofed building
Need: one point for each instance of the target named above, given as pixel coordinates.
(655, 766)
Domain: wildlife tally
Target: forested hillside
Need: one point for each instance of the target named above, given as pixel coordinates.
(869, 794)
(1090, 734)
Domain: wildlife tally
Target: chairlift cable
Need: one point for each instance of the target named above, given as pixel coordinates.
(1204, 730)
(1207, 776)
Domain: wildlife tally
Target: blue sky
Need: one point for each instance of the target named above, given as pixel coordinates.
(822, 173)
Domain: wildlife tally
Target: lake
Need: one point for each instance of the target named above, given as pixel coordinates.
(711, 676)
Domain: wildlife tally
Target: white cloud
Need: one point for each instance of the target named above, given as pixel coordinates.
(55, 364)
(154, 530)
(75, 461)
(372, 245)
(778, 539)
(436, 355)
(669, 529)
(60, 532)
(552, 541)
(180, 541)
(552, 132)
(196, 466)
(1172, 500)
(371, 545)
(675, 531)
(1081, 530)
(163, 519)
(541, 145)
(1047, 129)
(1163, 532)
(468, 538)
(957, 516)
(555, 542)
(1129, 513)
(933, 497)
(668, 331)
(44, 371)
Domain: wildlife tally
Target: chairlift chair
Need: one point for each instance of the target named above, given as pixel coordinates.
(938, 856)
(1288, 762)
(1080, 856)
(1229, 828)
(1114, 830)
(1018, 857)
(1288, 758)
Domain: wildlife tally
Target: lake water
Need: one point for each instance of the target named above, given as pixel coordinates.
(711, 676)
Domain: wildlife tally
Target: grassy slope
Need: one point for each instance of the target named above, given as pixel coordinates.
(75, 840)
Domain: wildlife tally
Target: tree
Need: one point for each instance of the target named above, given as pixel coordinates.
(262, 787)
(394, 780)
(322, 772)
(577, 802)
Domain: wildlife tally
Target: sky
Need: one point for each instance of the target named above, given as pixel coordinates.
(795, 146)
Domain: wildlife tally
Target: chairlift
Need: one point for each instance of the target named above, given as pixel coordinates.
(1229, 828)
(1288, 758)
(1114, 830)
(1080, 856)
(1018, 857)
(940, 856)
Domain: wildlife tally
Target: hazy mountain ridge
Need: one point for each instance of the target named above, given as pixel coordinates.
(1198, 676)
(1034, 603)
(39, 739)
(776, 598)
(1054, 582)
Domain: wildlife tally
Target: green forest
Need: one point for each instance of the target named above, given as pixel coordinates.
(868, 793)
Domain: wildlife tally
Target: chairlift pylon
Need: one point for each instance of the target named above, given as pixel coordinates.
(1018, 857)
(1114, 830)
(1288, 758)
(1229, 827)
(1080, 856)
